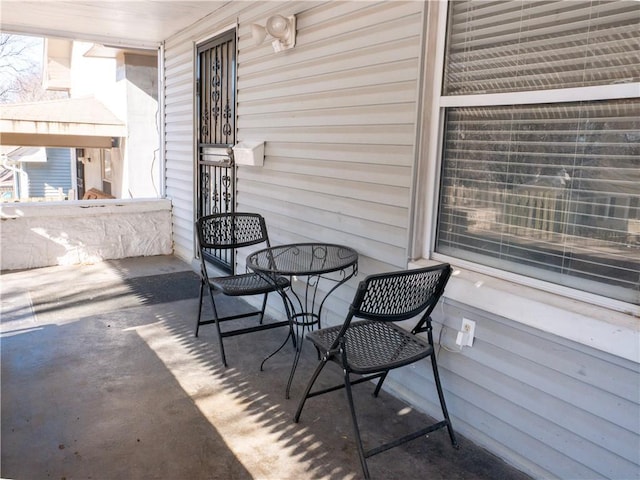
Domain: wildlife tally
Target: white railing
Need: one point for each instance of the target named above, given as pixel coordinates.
(34, 235)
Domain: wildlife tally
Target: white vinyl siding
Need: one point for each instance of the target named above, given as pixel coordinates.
(544, 403)
(178, 142)
(338, 115)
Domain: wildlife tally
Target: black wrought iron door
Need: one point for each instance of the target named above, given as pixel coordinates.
(216, 132)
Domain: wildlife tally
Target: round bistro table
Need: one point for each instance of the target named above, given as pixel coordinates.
(307, 265)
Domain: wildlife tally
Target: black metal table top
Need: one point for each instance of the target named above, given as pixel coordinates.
(303, 259)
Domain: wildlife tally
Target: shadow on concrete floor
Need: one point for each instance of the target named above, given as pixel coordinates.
(102, 378)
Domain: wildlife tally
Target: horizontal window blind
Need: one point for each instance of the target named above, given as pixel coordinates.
(547, 190)
(496, 47)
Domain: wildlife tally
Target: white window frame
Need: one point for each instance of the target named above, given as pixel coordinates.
(605, 324)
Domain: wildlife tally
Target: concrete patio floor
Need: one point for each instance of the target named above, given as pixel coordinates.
(102, 378)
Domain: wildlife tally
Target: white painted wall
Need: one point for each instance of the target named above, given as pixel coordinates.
(92, 169)
(96, 77)
(36, 235)
(138, 76)
(128, 86)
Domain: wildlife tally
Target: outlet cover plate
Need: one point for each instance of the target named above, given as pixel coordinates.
(468, 330)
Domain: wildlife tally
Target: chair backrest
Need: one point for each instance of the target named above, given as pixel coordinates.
(400, 295)
(231, 230)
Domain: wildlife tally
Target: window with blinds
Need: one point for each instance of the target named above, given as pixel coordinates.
(551, 189)
(505, 46)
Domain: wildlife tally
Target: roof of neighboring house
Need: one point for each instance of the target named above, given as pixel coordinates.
(70, 122)
(6, 178)
(28, 154)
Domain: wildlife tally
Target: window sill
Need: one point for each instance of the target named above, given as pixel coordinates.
(598, 327)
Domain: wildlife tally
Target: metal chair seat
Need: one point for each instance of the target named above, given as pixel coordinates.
(371, 346)
(247, 284)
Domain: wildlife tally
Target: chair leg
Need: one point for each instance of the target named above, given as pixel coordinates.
(215, 317)
(380, 382)
(307, 390)
(445, 413)
(264, 306)
(199, 307)
(354, 421)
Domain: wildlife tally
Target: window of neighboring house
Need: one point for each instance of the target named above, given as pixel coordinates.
(540, 163)
(106, 170)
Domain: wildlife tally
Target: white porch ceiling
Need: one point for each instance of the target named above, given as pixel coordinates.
(135, 23)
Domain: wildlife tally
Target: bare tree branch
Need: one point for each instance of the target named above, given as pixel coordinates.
(17, 68)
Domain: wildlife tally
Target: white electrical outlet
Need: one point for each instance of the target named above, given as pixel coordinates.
(469, 330)
(466, 333)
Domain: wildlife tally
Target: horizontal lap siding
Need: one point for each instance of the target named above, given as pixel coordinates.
(49, 179)
(338, 116)
(179, 83)
(337, 113)
(553, 407)
(179, 77)
(178, 112)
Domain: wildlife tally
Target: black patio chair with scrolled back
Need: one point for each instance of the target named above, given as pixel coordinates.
(373, 345)
(227, 231)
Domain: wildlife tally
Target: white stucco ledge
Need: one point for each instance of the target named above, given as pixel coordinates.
(34, 235)
(601, 328)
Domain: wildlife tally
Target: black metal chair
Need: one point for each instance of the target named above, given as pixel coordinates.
(374, 345)
(227, 231)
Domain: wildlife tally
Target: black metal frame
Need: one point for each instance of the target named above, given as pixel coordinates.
(230, 231)
(216, 186)
(216, 134)
(380, 300)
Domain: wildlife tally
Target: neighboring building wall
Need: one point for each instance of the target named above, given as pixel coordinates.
(82, 232)
(141, 165)
(92, 169)
(96, 77)
(50, 179)
(127, 85)
(339, 117)
(56, 70)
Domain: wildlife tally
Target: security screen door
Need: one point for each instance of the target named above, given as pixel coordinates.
(216, 132)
